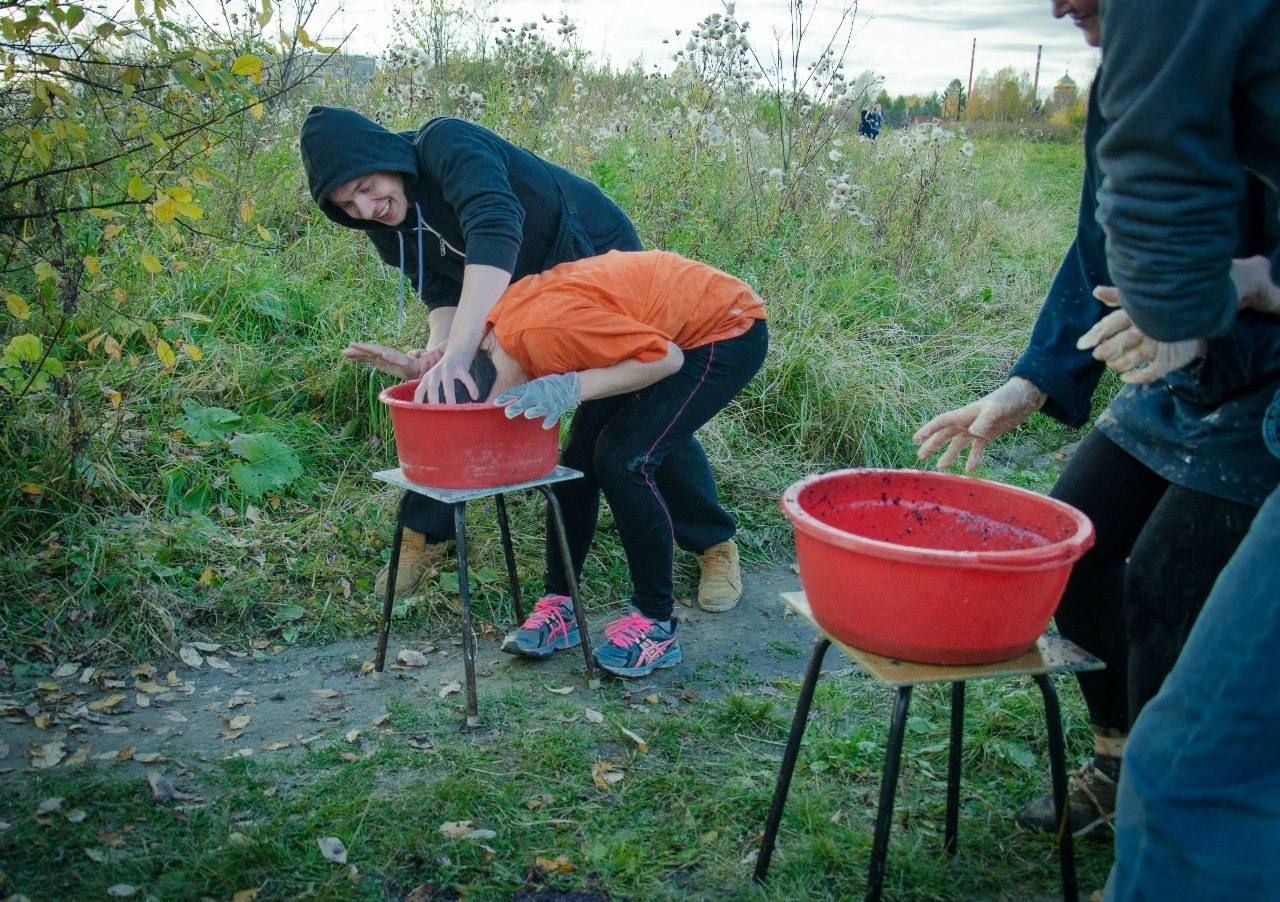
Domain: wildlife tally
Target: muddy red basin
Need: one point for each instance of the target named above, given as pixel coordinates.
(467, 446)
(932, 567)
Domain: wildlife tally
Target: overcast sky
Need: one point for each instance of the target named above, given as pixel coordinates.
(917, 45)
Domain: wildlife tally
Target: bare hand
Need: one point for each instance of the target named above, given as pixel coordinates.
(443, 375)
(385, 360)
(1124, 348)
(973, 425)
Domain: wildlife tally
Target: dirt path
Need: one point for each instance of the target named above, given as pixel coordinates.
(224, 701)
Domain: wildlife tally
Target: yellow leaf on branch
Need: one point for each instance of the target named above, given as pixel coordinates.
(247, 211)
(18, 307)
(248, 64)
(92, 265)
(164, 351)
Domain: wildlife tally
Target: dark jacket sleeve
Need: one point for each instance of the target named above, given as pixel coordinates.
(1052, 361)
(1173, 176)
(469, 164)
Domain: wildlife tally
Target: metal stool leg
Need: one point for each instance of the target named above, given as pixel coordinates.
(393, 570)
(954, 760)
(504, 526)
(557, 521)
(1058, 772)
(888, 788)
(798, 722)
(464, 596)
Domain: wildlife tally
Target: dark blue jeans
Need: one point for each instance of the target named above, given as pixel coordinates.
(1198, 813)
(640, 450)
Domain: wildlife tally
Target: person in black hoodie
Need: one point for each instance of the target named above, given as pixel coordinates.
(463, 213)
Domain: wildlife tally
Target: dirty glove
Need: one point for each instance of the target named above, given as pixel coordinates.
(550, 396)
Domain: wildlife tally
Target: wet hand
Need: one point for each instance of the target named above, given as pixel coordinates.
(443, 375)
(1123, 347)
(976, 424)
(385, 360)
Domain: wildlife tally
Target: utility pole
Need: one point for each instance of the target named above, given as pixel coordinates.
(969, 90)
(1035, 84)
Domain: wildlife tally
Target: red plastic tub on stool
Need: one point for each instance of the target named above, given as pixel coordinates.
(932, 567)
(467, 446)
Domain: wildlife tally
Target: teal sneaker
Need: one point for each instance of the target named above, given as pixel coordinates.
(637, 646)
(551, 626)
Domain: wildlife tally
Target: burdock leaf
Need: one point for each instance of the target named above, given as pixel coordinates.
(269, 464)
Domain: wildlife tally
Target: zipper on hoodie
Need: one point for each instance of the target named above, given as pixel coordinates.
(445, 246)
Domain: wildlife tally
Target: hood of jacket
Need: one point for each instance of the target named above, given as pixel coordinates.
(339, 145)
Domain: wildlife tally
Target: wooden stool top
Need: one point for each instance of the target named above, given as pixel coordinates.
(397, 478)
(1051, 654)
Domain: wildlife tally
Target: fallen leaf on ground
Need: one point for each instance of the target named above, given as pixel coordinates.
(572, 718)
(652, 698)
(594, 716)
(104, 704)
(604, 775)
(49, 805)
(325, 693)
(410, 658)
(558, 865)
(276, 746)
(190, 656)
(559, 690)
(240, 699)
(122, 890)
(148, 757)
(239, 722)
(352, 736)
(42, 721)
(78, 757)
(464, 830)
(47, 755)
(685, 601)
(424, 893)
(381, 719)
(640, 743)
(450, 689)
(76, 815)
(206, 646)
(49, 687)
(246, 895)
(65, 670)
(219, 664)
(332, 848)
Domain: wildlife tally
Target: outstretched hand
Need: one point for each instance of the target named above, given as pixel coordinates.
(549, 396)
(1123, 347)
(976, 424)
(386, 360)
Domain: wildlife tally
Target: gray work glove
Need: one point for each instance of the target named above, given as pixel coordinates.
(549, 396)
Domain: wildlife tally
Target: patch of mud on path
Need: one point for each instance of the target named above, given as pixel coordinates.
(222, 702)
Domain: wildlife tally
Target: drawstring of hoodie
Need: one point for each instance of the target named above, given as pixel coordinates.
(400, 292)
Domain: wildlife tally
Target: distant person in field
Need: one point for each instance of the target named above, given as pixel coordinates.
(463, 212)
(653, 346)
(1171, 474)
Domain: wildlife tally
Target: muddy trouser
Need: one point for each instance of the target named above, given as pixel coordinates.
(640, 450)
(1132, 598)
(1198, 813)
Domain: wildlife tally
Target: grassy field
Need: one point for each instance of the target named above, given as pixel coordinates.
(901, 279)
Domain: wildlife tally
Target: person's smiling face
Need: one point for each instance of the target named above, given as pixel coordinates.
(377, 196)
(1085, 13)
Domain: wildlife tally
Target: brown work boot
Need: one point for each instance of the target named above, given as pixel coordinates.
(1091, 800)
(418, 558)
(721, 583)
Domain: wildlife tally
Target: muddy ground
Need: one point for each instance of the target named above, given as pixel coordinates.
(226, 701)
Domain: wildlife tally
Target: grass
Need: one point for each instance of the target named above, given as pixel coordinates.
(128, 533)
(681, 823)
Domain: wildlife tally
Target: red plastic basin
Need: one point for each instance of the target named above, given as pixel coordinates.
(932, 567)
(466, 446)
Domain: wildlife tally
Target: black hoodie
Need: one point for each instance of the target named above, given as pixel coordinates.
(479, 199)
